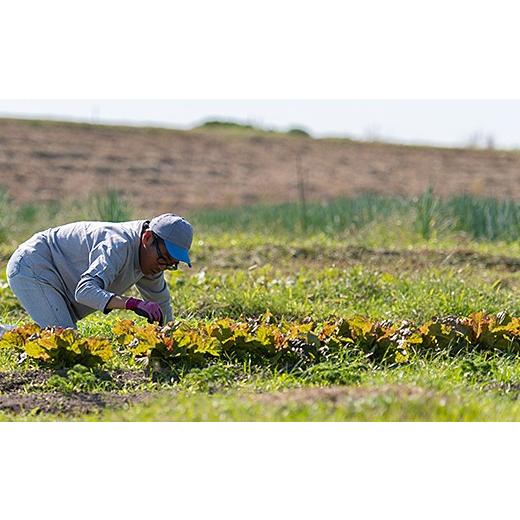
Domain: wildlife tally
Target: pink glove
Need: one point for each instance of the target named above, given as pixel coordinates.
(149, 310)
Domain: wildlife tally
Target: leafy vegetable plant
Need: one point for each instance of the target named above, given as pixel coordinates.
(259, 340)
(57, 346)
(308, 343)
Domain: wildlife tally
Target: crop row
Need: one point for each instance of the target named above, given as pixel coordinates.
(261, 341)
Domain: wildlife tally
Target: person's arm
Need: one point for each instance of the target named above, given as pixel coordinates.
(116, 302)
(107, 260)
(105, 263)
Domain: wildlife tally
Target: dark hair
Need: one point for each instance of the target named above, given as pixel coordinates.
(146, 226)
(157, 238)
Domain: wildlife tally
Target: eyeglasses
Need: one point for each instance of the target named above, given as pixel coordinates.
(161, 259)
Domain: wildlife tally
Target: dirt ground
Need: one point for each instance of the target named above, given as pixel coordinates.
(342, 394)
(70, 404)
(23, 392)
(171, 170)
(344, 257)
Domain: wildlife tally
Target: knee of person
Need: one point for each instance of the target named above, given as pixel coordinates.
(13, 268)
(14, 264)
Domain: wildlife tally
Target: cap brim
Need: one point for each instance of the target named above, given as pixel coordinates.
(179, 253)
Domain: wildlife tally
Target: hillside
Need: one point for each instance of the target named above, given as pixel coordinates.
(164, 170)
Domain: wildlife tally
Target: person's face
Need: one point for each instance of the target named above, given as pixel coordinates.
(153, 255)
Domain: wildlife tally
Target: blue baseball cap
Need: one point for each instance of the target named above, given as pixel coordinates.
(177, 234)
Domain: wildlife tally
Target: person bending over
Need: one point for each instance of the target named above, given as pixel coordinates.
(65, 273)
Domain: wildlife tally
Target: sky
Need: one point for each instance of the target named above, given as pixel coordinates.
(437, 122)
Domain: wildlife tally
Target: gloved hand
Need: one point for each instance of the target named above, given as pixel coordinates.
(149, 310)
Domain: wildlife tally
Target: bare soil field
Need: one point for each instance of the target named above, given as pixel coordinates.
(173, 170)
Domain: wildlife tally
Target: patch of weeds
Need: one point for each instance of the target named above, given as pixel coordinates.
(274, 382)
(79, 379)
(330, 374)
(211, 379)
(477, 370)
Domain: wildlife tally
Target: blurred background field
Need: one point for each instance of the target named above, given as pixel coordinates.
(232, 165)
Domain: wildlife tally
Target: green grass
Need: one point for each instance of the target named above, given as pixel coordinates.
(338, 292)
(324, 293)
(371, 217)
(429, 216)
(329, 218)
(382, 258)
(374, 407)
(471, 388)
